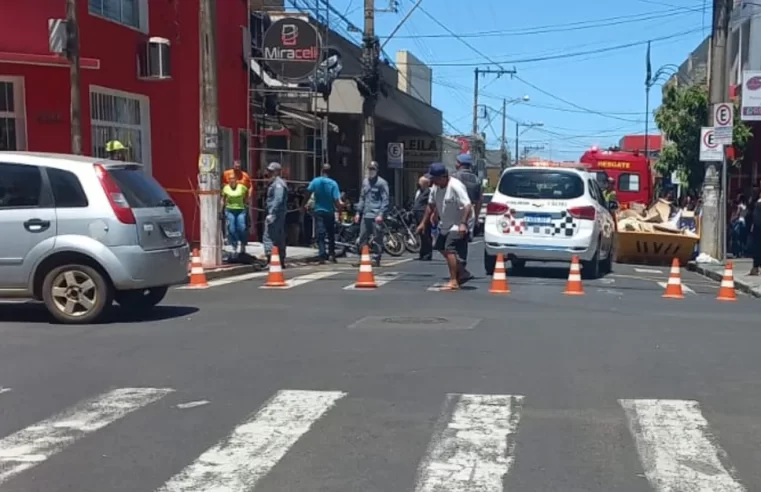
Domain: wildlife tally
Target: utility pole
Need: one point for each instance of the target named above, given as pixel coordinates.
(369, 83)
(475, 149)
(503, 146)
(710, 227)
(208, 163)
(72, 53)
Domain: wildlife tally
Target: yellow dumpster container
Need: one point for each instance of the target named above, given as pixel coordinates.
(654, 248)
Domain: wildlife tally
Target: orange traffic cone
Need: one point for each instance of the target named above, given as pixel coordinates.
(275, 277)
(197, 275)
(365, 277)
(674, 285)
(727, 287)
(499, 281)
(573, 287)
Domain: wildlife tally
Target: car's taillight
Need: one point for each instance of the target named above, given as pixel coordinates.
(497, 209)
(584, 213)
(115, 196)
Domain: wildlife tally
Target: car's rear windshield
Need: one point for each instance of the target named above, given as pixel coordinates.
(140, 190)
(541, 185)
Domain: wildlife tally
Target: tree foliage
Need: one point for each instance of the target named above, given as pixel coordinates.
(683, 112)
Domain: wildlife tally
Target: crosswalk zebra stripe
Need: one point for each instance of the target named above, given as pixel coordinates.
(304, 279)
(380, 280)
(238, 462)
(675, 447)
(31, 446)
(473, 448)
(686, 289)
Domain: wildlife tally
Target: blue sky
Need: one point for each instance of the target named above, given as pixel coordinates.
(583, 98)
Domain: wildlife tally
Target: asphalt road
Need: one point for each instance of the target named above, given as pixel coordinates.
(321, 388)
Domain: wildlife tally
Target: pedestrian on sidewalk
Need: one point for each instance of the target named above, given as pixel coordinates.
(753, 220)
(422, 195)
(372, 207)
(244, 179)
(277, 205)
(450, 201)
(234, 204)
(327, 202)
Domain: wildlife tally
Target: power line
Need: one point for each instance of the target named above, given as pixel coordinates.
(560, 56)
(557, 28)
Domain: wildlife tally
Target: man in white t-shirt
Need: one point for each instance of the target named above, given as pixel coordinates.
(449, 200)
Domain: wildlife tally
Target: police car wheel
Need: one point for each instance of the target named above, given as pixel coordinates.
(591, 270)
(607, 263)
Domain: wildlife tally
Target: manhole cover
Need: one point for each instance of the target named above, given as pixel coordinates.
(414, 320)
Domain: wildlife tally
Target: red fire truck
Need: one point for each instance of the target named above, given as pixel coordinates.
(630, 171)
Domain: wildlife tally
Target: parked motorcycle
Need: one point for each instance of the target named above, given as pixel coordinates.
(405, 224)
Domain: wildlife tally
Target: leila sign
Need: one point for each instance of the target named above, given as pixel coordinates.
(292, 49)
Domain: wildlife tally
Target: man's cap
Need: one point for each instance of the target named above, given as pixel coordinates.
(438, 170)
(373, 165)
(274, 166)
(326, 167)
(465, 159)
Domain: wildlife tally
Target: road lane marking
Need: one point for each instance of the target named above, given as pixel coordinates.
(380, 280)
(675, 447)
(193, 404)
(473, 448)
(686, 289)
(31, 446)
(4, 390)
(397, 262)
(648, 270)
(304, 279)
(239, 461)
(229, 280)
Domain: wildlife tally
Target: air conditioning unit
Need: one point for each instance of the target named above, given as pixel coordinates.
(154, 61)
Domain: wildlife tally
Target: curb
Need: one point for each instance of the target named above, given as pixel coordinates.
(740, 285)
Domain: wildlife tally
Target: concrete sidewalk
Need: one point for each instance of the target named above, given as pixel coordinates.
(741, 267)
(296, 253)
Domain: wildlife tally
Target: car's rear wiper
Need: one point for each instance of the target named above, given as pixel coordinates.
(166, 202)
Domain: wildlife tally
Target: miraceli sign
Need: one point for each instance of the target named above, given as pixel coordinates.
(614, 165)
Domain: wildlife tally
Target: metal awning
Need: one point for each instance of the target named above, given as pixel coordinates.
(307, 119)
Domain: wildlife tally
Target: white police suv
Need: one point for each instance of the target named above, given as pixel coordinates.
(550, 212)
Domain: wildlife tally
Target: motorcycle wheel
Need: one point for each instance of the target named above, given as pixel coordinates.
(393, 243)
(412, 242)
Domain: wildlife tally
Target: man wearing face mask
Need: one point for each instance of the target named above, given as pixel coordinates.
(372, 207)
(277, 204)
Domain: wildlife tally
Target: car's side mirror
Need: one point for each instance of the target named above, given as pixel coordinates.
(613, 205)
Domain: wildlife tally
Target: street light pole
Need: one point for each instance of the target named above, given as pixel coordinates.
(527, 126)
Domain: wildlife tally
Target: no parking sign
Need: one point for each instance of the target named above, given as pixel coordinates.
(710, 150)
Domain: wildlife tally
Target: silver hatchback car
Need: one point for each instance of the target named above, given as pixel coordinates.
(79, 233)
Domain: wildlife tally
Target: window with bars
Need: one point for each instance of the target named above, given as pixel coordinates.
(125, 12)
(119, 117)
(12, 127)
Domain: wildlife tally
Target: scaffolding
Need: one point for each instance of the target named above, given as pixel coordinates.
(284, 125)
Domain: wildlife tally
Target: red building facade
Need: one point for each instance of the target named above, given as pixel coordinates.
(157, 118)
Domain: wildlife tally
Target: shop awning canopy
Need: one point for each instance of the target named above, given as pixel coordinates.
(309, 120)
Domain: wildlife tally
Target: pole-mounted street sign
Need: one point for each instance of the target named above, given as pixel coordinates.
(710, 150)
(723, 121)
